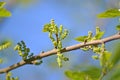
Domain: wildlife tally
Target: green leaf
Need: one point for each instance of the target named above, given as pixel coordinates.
(104, 58)
(107, 55)
(2, 4)
(46, 28)
(4, 12)
(118, 27)
(75, 75)
(110, 13)
(96, 49)
(116, 56)
(99, 35)
(88, 73)
(81, 38)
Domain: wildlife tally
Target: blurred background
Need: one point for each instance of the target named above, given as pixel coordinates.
(27, 21)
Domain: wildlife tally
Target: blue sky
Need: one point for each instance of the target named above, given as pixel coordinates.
(78, 16)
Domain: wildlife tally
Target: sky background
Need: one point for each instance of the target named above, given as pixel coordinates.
(27, 21)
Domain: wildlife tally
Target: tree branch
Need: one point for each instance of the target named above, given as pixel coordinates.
(54, 51)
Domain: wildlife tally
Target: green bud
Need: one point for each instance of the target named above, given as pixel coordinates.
(52, 22)
(9, 74)
(16, 47)
(20, 53)
(96, 49)
(23, 42)
(55, 43)
(27, 50)
(102, 47)
(31, 55)
(60, 29)
(60, 45)
(97, 29)
(19, 44)
(59, 61)
(64, 34)
(89, 35)
(96, 57)
(56, 29)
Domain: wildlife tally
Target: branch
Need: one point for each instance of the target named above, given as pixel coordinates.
(54, 51)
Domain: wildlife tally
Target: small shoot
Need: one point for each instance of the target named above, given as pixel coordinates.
(56, 34)
(23, 51)
(9, 76)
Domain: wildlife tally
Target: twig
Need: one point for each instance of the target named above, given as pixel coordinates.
(54, 51)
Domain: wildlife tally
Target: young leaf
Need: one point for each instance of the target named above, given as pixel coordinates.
(46, 28)
(105, 56)
(4, 12)
(2, 4)
(81, 38)
(110, 13)
(99, 35)
(86, 73)
(75, 75)
(118, 27)
(116, 56)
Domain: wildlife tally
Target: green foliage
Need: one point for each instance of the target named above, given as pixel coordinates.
(99, 34)
(90, 36)
(110, 13)
(88, 73)
(23, 51)
(81, 38)
(4, 12)
(114, 65)
(104, 58)
(107, 61)
(9, 76)
(116, 56)
(116, 75)
(56, 34)
(100, 51)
